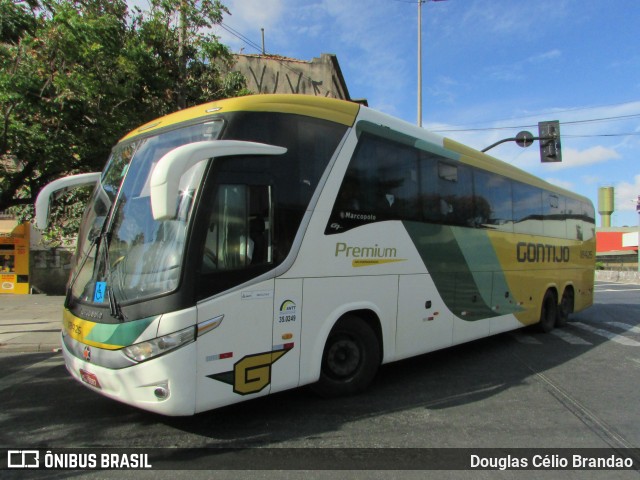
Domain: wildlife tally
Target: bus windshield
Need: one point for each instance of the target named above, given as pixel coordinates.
(123, 253)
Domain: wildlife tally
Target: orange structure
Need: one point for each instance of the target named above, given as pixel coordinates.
(14, 256)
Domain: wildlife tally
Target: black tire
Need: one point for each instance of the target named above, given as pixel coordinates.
(350, 359)
(548, 312)
(566, 307)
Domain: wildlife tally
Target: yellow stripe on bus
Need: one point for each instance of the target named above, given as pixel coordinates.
(338, 111)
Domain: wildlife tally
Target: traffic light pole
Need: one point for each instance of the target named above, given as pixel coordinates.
(548, 136)
(505, 140)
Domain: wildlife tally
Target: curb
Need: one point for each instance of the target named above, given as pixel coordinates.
(30, 348)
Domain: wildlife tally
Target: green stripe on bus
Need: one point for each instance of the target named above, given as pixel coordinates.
(122, 334)
(465, 292)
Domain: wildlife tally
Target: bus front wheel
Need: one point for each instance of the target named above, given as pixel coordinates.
(350, 359)
(548, 312)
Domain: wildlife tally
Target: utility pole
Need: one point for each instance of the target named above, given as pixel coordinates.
(638, 242)
(420, 2)
(182, 56)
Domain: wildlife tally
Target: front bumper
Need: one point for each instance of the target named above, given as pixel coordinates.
(138, 385)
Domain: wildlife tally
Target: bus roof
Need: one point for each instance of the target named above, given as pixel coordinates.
(344, 112)
(338, 111)
(487, 162)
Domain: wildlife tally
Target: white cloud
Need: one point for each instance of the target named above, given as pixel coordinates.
(572, 158)
(626, 194)
(543, 57)
(248, 17)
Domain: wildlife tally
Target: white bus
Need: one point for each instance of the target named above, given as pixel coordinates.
(257, 244)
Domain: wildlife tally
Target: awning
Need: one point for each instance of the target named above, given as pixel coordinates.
(7, 227)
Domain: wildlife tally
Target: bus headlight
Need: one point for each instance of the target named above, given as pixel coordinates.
(152, 348)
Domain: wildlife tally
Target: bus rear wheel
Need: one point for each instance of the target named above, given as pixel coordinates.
(548, 312)
(350, 359)
(566, 307)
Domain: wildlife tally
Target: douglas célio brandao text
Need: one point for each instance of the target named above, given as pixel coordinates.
(551, 462)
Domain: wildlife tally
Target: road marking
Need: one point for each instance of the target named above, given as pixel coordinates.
(581, 412)
(607, 334)
(569, 337)
(26, 374)
(527, 339)
(617, 290)
(625, 326)
(4, 337)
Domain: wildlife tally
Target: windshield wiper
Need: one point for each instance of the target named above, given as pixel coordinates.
(114, 307)
(68, 297)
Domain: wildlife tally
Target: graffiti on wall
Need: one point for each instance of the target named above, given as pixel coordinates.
(264, 81)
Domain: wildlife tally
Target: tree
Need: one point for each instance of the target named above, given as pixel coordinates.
(77, 75)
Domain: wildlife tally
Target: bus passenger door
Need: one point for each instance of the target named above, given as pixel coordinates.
(235, 321)
(287, 329)
(234, 346)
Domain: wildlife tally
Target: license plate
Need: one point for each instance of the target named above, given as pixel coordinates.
(90, 378)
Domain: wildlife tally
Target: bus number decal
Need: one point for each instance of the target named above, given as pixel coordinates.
(287, 312)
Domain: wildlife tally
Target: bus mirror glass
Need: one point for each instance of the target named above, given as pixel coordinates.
(165, 179)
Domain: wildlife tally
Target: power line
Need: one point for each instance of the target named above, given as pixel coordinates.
(603, 135)
(240, 36)
(512, 127)
(254, 45)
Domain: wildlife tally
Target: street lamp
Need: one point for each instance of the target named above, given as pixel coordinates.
(420, 2)
(638, 242)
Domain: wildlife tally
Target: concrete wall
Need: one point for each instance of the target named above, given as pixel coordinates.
(615, 276)
(321, 77)
(49, 270)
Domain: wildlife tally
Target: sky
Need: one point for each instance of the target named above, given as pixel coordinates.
(490, 69)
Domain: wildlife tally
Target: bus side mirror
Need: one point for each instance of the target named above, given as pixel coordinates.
(165, 178)
(44, 197)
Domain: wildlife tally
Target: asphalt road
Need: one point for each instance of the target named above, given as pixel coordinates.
(574, 388)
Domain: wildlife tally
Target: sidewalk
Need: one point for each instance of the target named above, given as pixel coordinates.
(30, 323)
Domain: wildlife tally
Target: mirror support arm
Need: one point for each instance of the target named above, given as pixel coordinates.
(43, 200)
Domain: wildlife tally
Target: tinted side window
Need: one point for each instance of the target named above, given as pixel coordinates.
(527, 209)
(494, 208)
(554, 211)
(589, 221)
(575, 226)
(447, 192)
(380, 184)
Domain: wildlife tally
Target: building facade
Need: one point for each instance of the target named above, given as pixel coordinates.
(321, 76)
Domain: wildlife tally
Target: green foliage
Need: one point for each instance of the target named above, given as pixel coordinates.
(75, 76)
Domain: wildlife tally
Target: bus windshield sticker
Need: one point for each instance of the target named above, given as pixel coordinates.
(98, 296)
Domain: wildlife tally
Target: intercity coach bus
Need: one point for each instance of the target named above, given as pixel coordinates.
(257, 244)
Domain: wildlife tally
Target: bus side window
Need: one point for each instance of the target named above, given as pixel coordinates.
(447, 192)
(554, 219)
(239, 229)
(494, 209)
(588, 221)
(381, 183)
(527, 209)
(574, 220)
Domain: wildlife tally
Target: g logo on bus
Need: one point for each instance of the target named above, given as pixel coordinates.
(252, 373)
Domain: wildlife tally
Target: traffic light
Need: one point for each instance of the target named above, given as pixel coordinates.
(549, 135)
